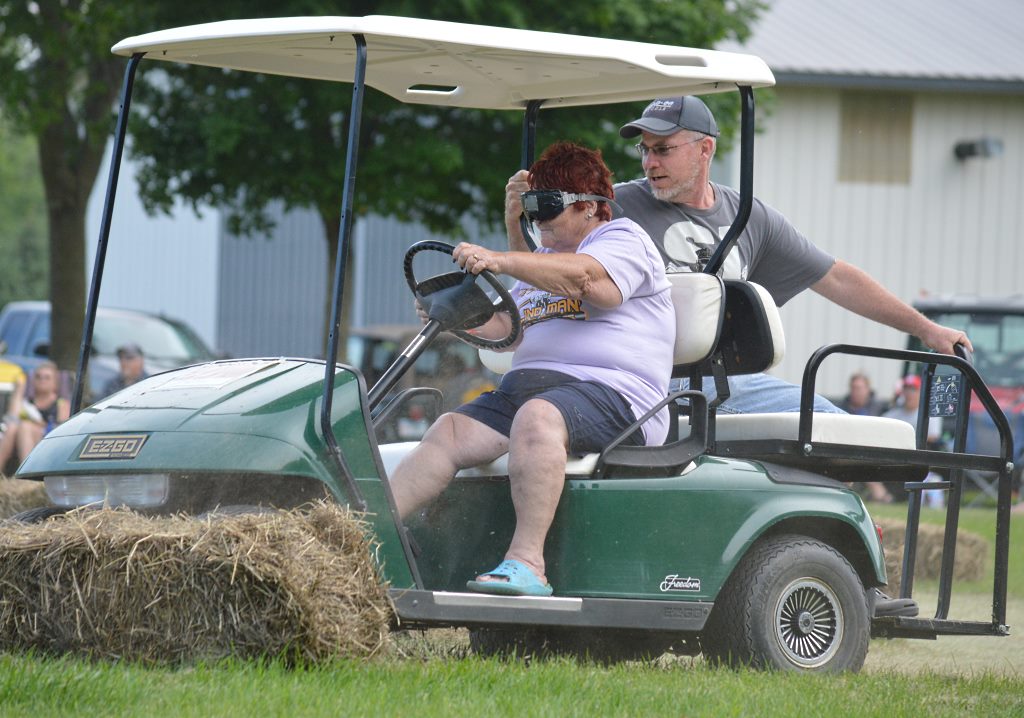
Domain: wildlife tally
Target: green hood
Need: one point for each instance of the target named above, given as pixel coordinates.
(247, 415)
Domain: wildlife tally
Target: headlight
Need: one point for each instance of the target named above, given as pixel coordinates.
(133, 490)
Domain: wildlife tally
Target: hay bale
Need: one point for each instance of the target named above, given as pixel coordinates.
(968, 565)
(17, 495)
(115, 584)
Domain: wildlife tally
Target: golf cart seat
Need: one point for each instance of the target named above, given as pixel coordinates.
(751, 340)
(735, 325)
(741, 320)
(839, 446)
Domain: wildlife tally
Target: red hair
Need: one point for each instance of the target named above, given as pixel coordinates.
(574, 168)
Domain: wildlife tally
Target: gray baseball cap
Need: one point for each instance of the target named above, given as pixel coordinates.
(668, 115)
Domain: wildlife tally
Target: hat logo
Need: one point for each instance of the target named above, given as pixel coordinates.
(659, 105)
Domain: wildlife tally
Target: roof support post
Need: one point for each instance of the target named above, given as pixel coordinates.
(101, 245)
(529, 152)
(344, 239)
(746, 181)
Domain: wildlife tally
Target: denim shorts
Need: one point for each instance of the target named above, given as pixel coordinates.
(594, 414)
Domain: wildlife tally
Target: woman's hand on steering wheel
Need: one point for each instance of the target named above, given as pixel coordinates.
(447, 295)
(474, 259)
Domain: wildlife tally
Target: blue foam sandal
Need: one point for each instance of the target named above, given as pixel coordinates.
(521, 581)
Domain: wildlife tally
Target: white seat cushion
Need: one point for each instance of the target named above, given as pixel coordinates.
(391, 454)
(771, 313)
(871, 431)
(698, 300)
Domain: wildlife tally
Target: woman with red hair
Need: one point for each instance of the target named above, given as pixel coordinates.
(594, 355)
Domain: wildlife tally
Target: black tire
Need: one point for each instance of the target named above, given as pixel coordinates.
(38, 514)
(793, 603)
(604, 646)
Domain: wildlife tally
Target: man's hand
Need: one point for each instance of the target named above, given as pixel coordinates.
(516, 185)
(943, 339)
(851, 288)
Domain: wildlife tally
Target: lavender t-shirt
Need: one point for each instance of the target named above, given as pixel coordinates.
(627, 348)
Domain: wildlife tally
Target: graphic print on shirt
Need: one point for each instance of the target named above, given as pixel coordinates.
(536, 305)
(690, 246)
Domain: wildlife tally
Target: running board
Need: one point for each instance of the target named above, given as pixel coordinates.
(931, 628)
(444, 608)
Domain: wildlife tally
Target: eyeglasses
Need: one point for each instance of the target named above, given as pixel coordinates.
(540, 205)
(660, 150)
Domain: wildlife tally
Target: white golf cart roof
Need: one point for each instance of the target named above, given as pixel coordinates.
(455, 64)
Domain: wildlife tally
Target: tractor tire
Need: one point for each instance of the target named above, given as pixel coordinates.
(37, 515)
(602, 646)
(793, 604)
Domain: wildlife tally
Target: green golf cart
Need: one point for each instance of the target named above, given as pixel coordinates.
(738, 538)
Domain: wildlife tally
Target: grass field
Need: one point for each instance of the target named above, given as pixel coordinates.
(433, 676)
(470, 687)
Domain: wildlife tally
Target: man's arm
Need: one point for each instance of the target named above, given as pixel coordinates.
(852, 288)
(517, 184)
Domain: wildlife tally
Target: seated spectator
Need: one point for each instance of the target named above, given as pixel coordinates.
(906, 410)
(32, 417)
(133, 369)
(861, 399)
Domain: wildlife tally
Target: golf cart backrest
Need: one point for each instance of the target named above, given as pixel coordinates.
(737, 317)
(751, 338)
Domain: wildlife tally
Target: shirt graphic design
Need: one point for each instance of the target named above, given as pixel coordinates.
(689, 246)
(536, 305)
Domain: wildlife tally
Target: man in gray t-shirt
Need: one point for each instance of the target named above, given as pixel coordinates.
(687, 216)
(769, 251)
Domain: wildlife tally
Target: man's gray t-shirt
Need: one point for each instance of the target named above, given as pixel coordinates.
(769, 251)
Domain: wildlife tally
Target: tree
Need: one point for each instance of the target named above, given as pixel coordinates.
(23, 254)
(60, 83)
(240, 140)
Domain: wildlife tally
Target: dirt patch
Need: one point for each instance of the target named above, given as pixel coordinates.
(954, 655)
(114, 584)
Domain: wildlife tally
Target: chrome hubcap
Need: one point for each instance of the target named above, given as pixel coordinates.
(808, 623)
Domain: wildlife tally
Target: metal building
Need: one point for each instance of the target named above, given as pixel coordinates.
(858, 149)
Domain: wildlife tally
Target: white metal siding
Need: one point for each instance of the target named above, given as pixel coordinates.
(162, 264)
(273, 290)
(953, 229)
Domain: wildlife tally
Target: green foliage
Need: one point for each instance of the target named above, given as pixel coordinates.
(242, 140)
(23, 248)
(59, 84)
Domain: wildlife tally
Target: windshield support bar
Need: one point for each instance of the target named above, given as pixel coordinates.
(746, 181)
(101, 245)
(528, 153)
(344, 240)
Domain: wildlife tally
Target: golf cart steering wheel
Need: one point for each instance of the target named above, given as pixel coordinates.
(457, 303)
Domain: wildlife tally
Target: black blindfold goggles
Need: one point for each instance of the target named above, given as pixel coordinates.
(540, 205)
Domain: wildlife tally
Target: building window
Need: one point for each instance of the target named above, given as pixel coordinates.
(875, 131)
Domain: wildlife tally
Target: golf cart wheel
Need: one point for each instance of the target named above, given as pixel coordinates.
(38, 514)
(793, 603)
(603, 646)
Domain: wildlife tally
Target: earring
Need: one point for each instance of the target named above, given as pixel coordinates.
(589, 215)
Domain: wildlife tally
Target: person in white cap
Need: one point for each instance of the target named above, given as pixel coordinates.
(687, 215)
